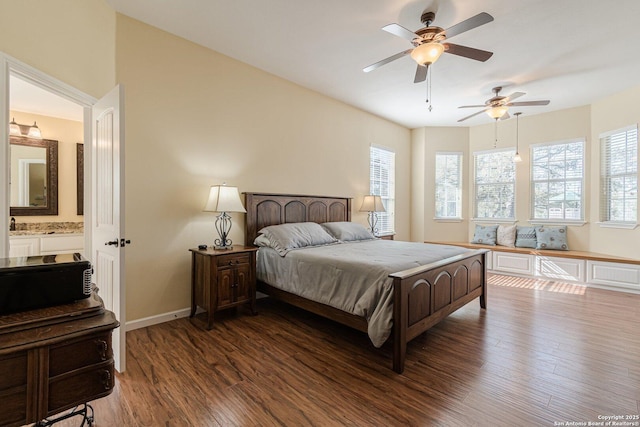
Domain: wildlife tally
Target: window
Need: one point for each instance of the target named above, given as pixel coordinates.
(448, 185)
(557, 177)
(382, 174)
(495, 182)
(619, 176)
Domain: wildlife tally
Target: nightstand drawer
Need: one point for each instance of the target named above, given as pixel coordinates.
(232, 259)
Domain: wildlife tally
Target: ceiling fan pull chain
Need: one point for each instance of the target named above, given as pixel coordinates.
(495, 142)
(429, 92)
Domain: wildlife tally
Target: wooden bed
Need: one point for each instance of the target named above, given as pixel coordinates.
(423, 296)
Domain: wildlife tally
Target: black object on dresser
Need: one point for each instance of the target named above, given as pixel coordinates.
(43, 281)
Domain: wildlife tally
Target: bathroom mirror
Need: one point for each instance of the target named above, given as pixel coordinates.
(34, 176)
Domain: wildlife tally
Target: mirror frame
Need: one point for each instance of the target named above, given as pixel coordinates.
(52, 175)
(79, 178)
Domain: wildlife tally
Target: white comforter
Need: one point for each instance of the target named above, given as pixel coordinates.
(353, 277)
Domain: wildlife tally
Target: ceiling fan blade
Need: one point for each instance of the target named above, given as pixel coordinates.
(386, 60)
(400, 31)
(473, 115)
(468, 24)
(529, 103)
(513, 96)
(421, 73)
(472, 106)
(467, 52)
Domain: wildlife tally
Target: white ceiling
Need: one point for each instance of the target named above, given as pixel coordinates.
(29, 98)
(571, 52)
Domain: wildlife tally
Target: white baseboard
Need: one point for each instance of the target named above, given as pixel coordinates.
(159, 318)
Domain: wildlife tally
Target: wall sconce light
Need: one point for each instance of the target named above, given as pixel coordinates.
(372, 204)
(517, 157)
(17, 129)
(34, 131)
(14, 128)
(223, 199)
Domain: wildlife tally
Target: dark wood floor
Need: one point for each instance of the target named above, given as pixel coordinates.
(543, 353)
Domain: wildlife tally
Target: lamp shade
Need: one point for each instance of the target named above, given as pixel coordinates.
(427, 53)
(372, 204)
(14, 128)
(34, 131)
(497, 112)
(224, 199)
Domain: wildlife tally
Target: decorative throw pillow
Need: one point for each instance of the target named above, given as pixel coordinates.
(552, 238)
(485, 234)
(506, 235)
(526, 237)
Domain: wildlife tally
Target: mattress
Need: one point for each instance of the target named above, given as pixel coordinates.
(353, 277)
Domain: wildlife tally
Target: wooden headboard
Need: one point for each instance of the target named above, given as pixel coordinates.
(272, 209)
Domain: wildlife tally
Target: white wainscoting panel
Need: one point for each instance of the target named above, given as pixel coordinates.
(514, 263)
(560, 268)
(611, 274)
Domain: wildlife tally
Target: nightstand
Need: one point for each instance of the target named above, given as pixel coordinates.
(386, 236)
(222, 279)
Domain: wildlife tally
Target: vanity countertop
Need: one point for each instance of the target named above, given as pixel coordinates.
(42, 232)
(47, 228)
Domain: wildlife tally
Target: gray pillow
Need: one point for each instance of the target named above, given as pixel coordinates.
(506, 235)
(485, 234)
(526, 237)
(285, 237)
(552, 238)
(348, 231)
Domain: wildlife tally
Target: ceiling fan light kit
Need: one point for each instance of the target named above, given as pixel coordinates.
(427, 54)
(497, 112)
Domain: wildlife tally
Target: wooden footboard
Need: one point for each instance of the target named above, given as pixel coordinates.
(423, 296)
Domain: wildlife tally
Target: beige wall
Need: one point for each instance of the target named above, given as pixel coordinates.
(68, 133)
(195, 118)
(71, 40)
(426, 142)
(612, 113)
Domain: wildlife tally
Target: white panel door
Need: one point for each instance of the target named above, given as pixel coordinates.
(107, 214)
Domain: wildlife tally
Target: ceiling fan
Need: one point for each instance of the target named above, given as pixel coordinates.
(429, 43)
(498, 106)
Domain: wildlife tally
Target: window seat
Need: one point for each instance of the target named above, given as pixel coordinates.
(586, 268)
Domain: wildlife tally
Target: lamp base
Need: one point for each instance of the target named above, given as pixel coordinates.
(222, 248)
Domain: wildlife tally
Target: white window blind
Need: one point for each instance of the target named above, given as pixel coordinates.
(448, 185)
(619, 176)
(495, 182)
(382, 173)
(557, 181)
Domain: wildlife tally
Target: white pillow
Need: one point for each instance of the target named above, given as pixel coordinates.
(285, 237)
(348, 231)
(506, 235)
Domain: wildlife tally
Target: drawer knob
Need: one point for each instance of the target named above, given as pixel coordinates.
(102, 347)
(106, 379)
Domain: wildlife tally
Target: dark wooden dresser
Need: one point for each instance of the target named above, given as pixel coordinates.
(53, 359)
